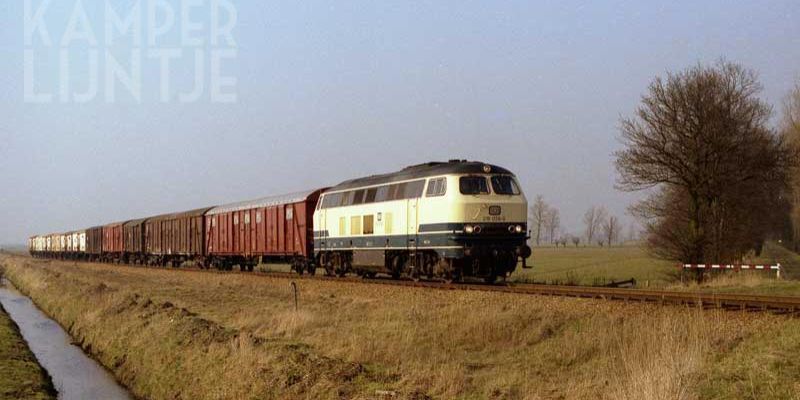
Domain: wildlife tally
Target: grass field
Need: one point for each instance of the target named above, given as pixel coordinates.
(21, 377)
(596, 265)
(182, 334)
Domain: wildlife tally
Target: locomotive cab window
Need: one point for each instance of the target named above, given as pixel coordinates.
(505, 185)
(473, 185)
(414, 189)
(437, 187)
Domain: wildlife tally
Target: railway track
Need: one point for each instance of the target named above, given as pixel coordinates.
(776, 304)
(788, 305)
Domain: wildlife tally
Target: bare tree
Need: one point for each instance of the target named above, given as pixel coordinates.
(701, 140)
(539, 211)
(593, 219)
(611, 228)
(576, 240)
(552, 223)
(790, 129)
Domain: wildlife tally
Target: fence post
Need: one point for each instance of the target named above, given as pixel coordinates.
(294, 286)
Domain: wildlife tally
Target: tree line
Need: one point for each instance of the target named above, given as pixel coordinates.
(720, 180)
(601, 228)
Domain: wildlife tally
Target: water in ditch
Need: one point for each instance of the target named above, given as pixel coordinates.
(75, 375)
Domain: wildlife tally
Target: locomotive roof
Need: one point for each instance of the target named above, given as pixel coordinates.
(423, 171)
(262, 202)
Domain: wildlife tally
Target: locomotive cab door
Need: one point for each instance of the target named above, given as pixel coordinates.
(322, 227)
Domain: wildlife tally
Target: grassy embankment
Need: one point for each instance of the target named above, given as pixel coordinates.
(180, 334)
(21, 377)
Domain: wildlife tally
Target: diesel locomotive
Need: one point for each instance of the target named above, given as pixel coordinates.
(437, 220)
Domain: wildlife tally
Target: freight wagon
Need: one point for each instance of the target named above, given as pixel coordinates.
(94, 243)
(133, 238)
(277, 228)
(173, 239)
(112, 243)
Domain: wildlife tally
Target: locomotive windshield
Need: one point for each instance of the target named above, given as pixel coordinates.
(473, 185)
(504, 184)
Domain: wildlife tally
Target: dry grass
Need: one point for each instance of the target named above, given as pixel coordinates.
(179, 334)
(662, 361)
(744, 282)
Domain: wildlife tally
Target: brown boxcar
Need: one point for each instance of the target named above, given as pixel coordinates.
(277, 227)
(112, 242)
(175, 238)
(133, 241)
(94, 242)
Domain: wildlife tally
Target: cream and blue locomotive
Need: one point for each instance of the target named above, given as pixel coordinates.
(435, 221)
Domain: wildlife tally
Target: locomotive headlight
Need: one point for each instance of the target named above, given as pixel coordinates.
(518, 228)
(469, 229)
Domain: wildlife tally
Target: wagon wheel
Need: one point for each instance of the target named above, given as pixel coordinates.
(311, 267)
(298, 267)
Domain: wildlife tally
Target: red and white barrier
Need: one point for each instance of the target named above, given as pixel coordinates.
(776, 267)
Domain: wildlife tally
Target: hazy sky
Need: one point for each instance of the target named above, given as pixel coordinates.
(328, 91)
